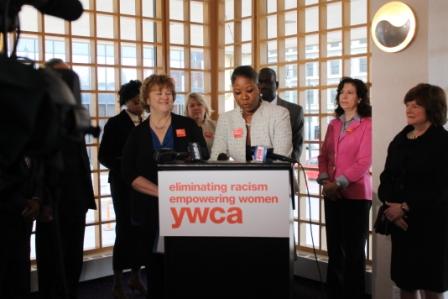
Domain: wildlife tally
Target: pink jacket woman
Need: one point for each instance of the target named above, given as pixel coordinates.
(347, 153)
(344, 162)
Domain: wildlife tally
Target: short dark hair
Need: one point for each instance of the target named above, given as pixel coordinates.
(129, 91)
(364, 108)
(53, 62)
(245, 71)
(432, 98)
(269, 71)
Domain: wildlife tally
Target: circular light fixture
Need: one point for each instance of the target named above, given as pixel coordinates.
(393, 26)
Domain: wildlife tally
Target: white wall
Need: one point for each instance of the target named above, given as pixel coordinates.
(438, 43)
(425, 60)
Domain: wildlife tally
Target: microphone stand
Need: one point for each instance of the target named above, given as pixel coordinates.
(291, 180)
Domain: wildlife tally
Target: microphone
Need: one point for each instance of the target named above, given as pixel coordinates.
(195, 151)
(222, 157)
(273, 156)
(166, 155)
(259, 153)
(263, 154)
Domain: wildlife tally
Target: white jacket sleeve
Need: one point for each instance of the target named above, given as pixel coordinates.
(220, 142)
(282, 141)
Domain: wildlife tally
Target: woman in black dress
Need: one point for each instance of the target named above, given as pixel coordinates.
(163, 129)
(116, 131)
(414, 184)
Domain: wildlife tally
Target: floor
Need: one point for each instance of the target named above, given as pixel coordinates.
(101, 289)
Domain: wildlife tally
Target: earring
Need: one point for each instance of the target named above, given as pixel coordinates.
(359, 101)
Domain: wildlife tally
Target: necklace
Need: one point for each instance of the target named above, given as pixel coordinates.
(159, 126)
(413, 135)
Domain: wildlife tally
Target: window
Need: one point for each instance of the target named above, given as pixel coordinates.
(188, 49)
(238, 41)
(54, 49)
(28, 47)
(311, 44)
(334, 68)
(363, 65)
(117, 42)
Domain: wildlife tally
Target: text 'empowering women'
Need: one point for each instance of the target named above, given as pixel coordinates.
(219, 202)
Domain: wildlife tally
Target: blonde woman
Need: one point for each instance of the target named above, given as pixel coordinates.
(197, 109)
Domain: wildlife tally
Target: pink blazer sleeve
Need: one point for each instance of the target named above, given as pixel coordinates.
(325, 150)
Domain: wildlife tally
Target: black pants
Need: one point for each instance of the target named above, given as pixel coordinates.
(347, 226)
(155, 276)
(59, 253)
(127, 252)
(15, 263)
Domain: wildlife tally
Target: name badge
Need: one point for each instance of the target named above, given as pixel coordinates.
(208, 134)
(180, 133)
(238, 133)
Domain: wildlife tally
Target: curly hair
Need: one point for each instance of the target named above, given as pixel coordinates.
(432, 98)
(156, 81)
(129, 91)
(364, 108)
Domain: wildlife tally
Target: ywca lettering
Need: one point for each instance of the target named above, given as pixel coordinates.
(216, 215)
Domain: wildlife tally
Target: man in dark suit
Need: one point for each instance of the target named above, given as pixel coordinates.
(268, 84)
(61, 226)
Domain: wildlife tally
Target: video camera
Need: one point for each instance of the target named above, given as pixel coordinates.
(69, 10)
(40, 107)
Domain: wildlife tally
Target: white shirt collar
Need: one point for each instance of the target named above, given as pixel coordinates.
(274, 101)
(135, 119)
(355, 117)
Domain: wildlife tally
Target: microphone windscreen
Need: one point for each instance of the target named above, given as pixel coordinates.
(195, 151)
(260, 153)
(223, 157)
(164, 156)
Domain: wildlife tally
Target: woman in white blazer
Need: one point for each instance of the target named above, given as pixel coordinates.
(252, 123)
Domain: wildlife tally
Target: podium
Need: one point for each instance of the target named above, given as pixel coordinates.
(227, 230)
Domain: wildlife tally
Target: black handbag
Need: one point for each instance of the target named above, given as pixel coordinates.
(382, 225)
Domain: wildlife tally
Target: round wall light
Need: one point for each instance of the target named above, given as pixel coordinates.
(393, 26)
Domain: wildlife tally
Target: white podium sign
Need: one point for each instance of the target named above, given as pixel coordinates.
(237, 203)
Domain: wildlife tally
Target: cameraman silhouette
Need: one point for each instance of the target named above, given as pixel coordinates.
(43, 162)
(19, 205)
(60, 229)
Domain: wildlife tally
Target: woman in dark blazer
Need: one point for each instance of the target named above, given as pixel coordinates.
(414, 184)
(162, 129)
(126, 253)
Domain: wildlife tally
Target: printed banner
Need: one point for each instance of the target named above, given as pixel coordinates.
(243, 203)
